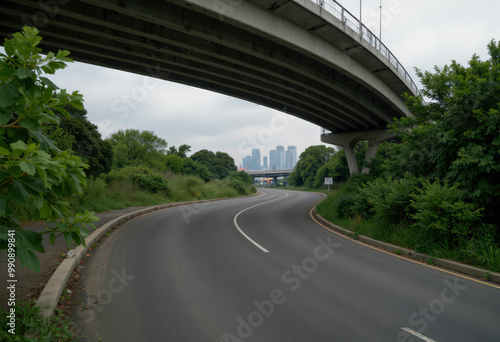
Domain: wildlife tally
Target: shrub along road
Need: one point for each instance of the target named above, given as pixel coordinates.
(260, 269)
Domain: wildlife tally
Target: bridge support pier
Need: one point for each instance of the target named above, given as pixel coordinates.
(349, 140)
(275, 181)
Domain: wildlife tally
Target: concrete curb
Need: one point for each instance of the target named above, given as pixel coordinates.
(452, 265)
(48, 299)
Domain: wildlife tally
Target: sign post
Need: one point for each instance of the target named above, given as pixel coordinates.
(328, 181)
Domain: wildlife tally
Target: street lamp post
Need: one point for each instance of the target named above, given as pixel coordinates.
(360, 19)
(380, 32)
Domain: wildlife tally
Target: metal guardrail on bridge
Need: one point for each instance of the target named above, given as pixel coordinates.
(350, 20)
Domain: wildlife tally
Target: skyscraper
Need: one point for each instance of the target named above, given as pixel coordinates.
(291, 159)
(265, 162)
(247, 163)
(256, 159)
(273, 160)
(281, 157)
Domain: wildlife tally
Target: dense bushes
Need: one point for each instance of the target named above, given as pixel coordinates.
(242, 176)
(152, 183)
(146, 178)
(429, 217)
(442, 212)
(238, 185)
(387, 199)
(193, 168)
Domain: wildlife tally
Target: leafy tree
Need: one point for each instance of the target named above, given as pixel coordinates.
(133, 147)
(313, 158)
(455, 137)
(219, 164)
(32, 168)
(335, 168)
(83, 138)
(226, 160)
(181, 152)
(174, 163)
(193, 168)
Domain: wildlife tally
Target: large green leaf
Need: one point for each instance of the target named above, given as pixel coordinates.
(18, 193)
(27, 167)
(31, 240)
(5, 152)
(18, 145)
(9, 47)
(5, 116)
(28, 241)
(8, 94)
(7, 72)
(30, 123)
(68, 238)
(24, 73)
(48, 82)
(34, 184)
(27, 258)
(46, 144)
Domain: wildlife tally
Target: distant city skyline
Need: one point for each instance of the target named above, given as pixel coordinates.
(279, 159)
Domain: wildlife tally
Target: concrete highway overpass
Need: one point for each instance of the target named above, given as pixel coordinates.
(312, 60)
(274, 174)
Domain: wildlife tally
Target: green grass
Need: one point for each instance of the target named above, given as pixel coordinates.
(121, 193)
(473, 252)
(189, 188)
(31, 326)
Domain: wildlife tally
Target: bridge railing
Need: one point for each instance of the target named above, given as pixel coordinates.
(351, 21)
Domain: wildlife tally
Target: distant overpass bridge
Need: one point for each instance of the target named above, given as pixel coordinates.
(311, 59)
(274, 174)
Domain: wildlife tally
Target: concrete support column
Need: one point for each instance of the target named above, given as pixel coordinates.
(372, 151)
(351, 158)
(349, 140)
(275, 181)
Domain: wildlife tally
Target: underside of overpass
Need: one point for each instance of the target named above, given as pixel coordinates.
(291, 55)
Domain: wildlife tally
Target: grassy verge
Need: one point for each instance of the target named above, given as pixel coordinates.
(31, 326)
(470, 252)
(100, 196)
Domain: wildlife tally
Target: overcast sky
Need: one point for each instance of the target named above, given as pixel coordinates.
(420, 33)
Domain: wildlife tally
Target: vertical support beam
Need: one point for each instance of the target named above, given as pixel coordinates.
(349, 140)
(370, 153)
(351, 158)
(275, 181)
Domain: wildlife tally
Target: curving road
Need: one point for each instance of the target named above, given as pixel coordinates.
(260, 269)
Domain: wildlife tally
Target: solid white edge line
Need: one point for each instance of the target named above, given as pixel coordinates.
(235, 221)
(425, 338)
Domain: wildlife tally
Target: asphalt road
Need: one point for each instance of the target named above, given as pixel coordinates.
(260, 269)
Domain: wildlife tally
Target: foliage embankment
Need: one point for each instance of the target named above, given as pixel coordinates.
(436, 189)
(141, 186)
(429, 217)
